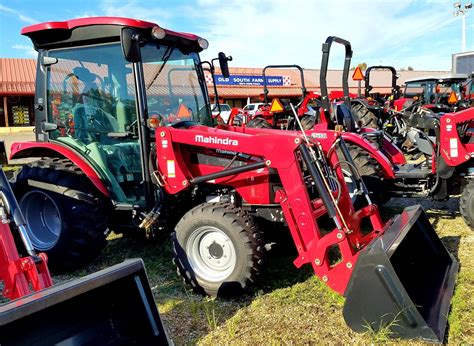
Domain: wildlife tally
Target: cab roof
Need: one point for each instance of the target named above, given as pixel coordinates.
(453, 78)
(81, 30)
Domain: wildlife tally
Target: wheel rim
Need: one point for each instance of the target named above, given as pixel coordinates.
(43, 218)
(351, 184)
(211, 253)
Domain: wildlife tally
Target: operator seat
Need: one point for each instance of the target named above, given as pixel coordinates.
(345, 118)
(91, 122)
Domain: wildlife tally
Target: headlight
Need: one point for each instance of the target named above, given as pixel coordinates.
(158, 32)
(203, 43)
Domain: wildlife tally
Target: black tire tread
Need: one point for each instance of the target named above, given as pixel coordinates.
(85, 225)
(464, 203)
(370, 171)
(247, 230)
(259, 123)
(364, 116)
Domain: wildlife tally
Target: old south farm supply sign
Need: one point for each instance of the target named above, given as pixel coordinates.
(252, 80)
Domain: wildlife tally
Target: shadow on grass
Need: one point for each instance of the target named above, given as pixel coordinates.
(187, 315)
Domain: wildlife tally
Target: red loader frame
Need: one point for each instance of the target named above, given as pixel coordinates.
(18, 273)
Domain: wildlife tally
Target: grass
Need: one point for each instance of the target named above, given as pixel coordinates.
(288, 305)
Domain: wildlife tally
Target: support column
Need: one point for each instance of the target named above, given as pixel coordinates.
(5, 110)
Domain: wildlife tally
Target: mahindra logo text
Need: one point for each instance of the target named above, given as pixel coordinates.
(216, 140)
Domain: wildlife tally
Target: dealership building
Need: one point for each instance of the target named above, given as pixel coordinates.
(245, 85)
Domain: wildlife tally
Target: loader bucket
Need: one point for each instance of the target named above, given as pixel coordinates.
(112, 306)
(403, 280)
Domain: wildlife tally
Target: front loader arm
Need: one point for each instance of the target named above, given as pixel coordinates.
(302, 211)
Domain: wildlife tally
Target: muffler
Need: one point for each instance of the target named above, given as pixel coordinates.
(404, 280)
(112, 306)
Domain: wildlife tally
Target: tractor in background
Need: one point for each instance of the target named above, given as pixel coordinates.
(443, 146)
(374, 110)
(437, 94)
(127, 142)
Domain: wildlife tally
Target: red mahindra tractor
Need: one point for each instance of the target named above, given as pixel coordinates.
(138, 153)
(321, 123)
(95, 309)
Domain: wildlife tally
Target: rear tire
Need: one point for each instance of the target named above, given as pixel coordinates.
(217, 249)
(370, 171)
(466, 203)
(71, 232)
(259, 123)
(308, 121)
(364, 117)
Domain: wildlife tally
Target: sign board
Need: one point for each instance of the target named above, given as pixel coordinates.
(358, 75)
(452, 98)
(276, 106)
(183, 111)
(21, 115)
(251, 80)
(463, 62)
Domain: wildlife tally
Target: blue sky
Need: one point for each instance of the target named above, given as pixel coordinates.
(421, 34)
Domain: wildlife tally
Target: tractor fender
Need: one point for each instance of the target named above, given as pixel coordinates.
(385, 165)
(20, 150)
(389, 149)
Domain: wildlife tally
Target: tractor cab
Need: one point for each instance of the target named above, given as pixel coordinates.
(439, 94)
(89, 96)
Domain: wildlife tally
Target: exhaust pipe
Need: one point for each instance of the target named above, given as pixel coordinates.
(112, 306)
(404, 280)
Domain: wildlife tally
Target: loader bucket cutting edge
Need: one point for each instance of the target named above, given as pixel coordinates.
(404, 279)
(112, 306)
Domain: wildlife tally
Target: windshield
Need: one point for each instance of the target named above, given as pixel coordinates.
(424, 90)
(174, 85)
(91, 98)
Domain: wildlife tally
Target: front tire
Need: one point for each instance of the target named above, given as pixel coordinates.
(72, 232)
(217, 249)
(466, 203)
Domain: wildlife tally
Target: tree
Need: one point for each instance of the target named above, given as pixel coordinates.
(409, 68)
(362, 65)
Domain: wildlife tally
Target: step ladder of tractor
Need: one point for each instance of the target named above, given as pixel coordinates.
(412, 171)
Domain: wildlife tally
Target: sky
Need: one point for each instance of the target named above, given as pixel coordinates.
(418, 33)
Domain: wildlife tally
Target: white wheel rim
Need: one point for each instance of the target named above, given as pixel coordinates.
(211, 254)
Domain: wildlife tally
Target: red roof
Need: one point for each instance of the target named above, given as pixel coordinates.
(88, 21)
(17, 76)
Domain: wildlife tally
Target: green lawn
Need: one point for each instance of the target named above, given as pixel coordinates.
(288, 305)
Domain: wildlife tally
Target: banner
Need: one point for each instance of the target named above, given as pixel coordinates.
(249, 80)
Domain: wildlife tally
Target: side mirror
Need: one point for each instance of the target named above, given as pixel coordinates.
(223, 59)
(48, 61)
(130, 44)
(48, 127)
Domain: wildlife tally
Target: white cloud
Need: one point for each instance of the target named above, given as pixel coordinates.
(287, 32)
(20, 16)
(27, 50)
(134, 9)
